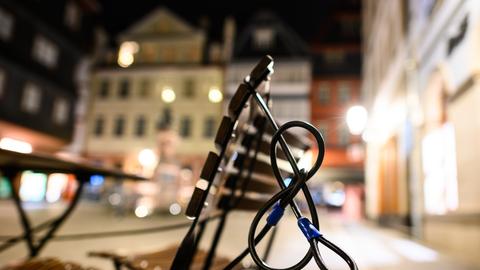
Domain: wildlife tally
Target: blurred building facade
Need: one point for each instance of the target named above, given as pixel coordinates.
(156, 84)
(266, 34)
(44, 52)
(336, 78)
(421, 65)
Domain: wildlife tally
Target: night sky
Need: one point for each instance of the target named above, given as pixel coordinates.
(305, 17)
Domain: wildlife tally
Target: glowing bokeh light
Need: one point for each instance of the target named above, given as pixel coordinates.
(33, 186)
(147, 158)
(168, 95)
(57, 183)
(15, 145)
(357, 117)
(215, 95)
(141, 211)
(175, 209)
(126, 53)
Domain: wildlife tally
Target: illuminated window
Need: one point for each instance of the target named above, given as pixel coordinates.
(72, 15)
(324, 93)
(104, 89)
(209, 127)
(186, 127)
(119, 126)
(440, 170)
(99, 126)
(140, 126)
(263, 38)
(31, 98)
(60, 111)
(45, 52)
(6, 25)
(124, 90)
(344, 92)
(2, 82)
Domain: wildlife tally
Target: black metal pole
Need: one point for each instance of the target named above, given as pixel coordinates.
(81, 179)
(11, 173)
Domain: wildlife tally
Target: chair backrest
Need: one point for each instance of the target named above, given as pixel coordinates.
(239, 141)
(249, 182)
(231, 128)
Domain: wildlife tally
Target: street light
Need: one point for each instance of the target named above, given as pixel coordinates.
(147, 158)
(214, 95)
(168, 95)
(357, 117)
(126, 53)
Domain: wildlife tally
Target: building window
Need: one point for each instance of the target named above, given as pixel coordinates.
(124, 89)
(324, 93)
(165, 119)
(2, 82)
(189, 90)
(185, 127)
(45, 51)
(6, 25)
(439, 160)
(263, 38)
(72, 15)
(60, 111)
(119, 126)
(334, 57)
(140, 126)
(145, 88)
(31, 98)
(344, 92)
(343, 136)
(209, 127)
(104, 89)
(99, 126)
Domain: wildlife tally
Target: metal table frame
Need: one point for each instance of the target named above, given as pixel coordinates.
(13, 163)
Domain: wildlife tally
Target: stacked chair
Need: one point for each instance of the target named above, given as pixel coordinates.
(246, 173)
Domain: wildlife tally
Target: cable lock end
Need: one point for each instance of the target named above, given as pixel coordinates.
(276, 214)
(308, 229)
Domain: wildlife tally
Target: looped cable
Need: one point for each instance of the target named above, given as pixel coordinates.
(282, 199)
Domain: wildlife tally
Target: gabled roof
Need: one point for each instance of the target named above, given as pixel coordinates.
(160, 21)
(286, 43)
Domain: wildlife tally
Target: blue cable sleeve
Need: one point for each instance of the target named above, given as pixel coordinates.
(276, 214)
(308, 229)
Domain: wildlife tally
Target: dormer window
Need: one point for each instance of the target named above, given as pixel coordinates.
(72, 15)
(45, 52)
(6, 25)
(263, 38)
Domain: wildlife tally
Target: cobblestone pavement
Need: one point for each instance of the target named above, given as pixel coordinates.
(373, 248)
